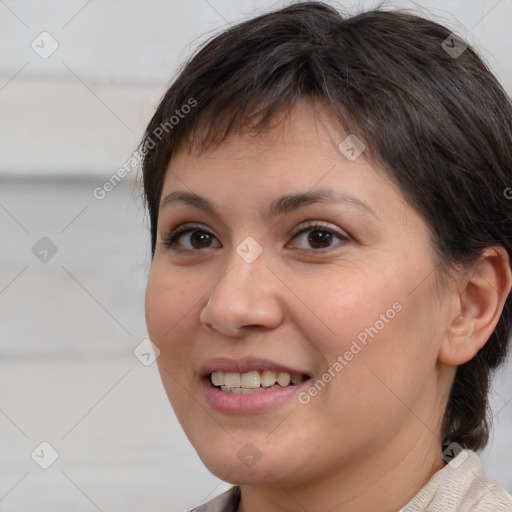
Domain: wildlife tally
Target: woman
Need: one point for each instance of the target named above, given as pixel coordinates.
(330, 285)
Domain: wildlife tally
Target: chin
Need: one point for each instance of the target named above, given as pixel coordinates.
(248, 465)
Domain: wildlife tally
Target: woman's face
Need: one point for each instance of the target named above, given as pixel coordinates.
(348, 309)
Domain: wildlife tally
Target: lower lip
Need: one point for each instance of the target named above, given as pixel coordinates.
(250, 403)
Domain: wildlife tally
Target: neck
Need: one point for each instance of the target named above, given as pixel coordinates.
(384, 483)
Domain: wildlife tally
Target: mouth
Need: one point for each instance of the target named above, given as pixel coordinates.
(249, 386)
(253, 381)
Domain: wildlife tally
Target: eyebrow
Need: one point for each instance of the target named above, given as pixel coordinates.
(279, 207)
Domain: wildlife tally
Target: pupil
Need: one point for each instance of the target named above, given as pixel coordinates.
(322, 238)
(198, 239)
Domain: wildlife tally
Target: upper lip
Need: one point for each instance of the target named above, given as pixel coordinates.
(244, 365)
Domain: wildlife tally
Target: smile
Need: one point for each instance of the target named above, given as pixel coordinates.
(250, 385)
(253, 382)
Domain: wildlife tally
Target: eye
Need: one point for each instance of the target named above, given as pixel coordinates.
(319, 236)
(193, 238)
(196, 239)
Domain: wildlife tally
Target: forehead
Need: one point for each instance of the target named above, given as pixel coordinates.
(305, 152)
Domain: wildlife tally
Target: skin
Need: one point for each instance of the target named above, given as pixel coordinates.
(371, 438)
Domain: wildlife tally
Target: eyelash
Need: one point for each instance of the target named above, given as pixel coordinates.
(169, 241)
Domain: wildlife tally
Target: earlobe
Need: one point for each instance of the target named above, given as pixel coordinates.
(484, 290)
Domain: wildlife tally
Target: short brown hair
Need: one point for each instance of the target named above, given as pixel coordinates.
(441, 126)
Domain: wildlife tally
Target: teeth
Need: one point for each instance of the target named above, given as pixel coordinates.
(296, 378)
(251, 382)
(283, 379)
(268, 379)
(217, 378)
(232, 380)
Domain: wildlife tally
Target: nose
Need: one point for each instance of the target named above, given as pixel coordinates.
(246, 297)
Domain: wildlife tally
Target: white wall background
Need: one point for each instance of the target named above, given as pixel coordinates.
(68, 326)
(83, 109)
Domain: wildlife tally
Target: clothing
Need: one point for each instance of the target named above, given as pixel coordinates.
(458, 487)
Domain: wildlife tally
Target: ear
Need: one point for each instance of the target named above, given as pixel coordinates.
(482, 294)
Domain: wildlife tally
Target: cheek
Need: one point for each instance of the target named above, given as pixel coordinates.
(367, 329)
(346, 307)
(171, 319)
(168, 301)
(169, 307)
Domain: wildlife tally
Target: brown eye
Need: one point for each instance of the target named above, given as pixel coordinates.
(200, 239)
(318, 237)
(190, 239)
